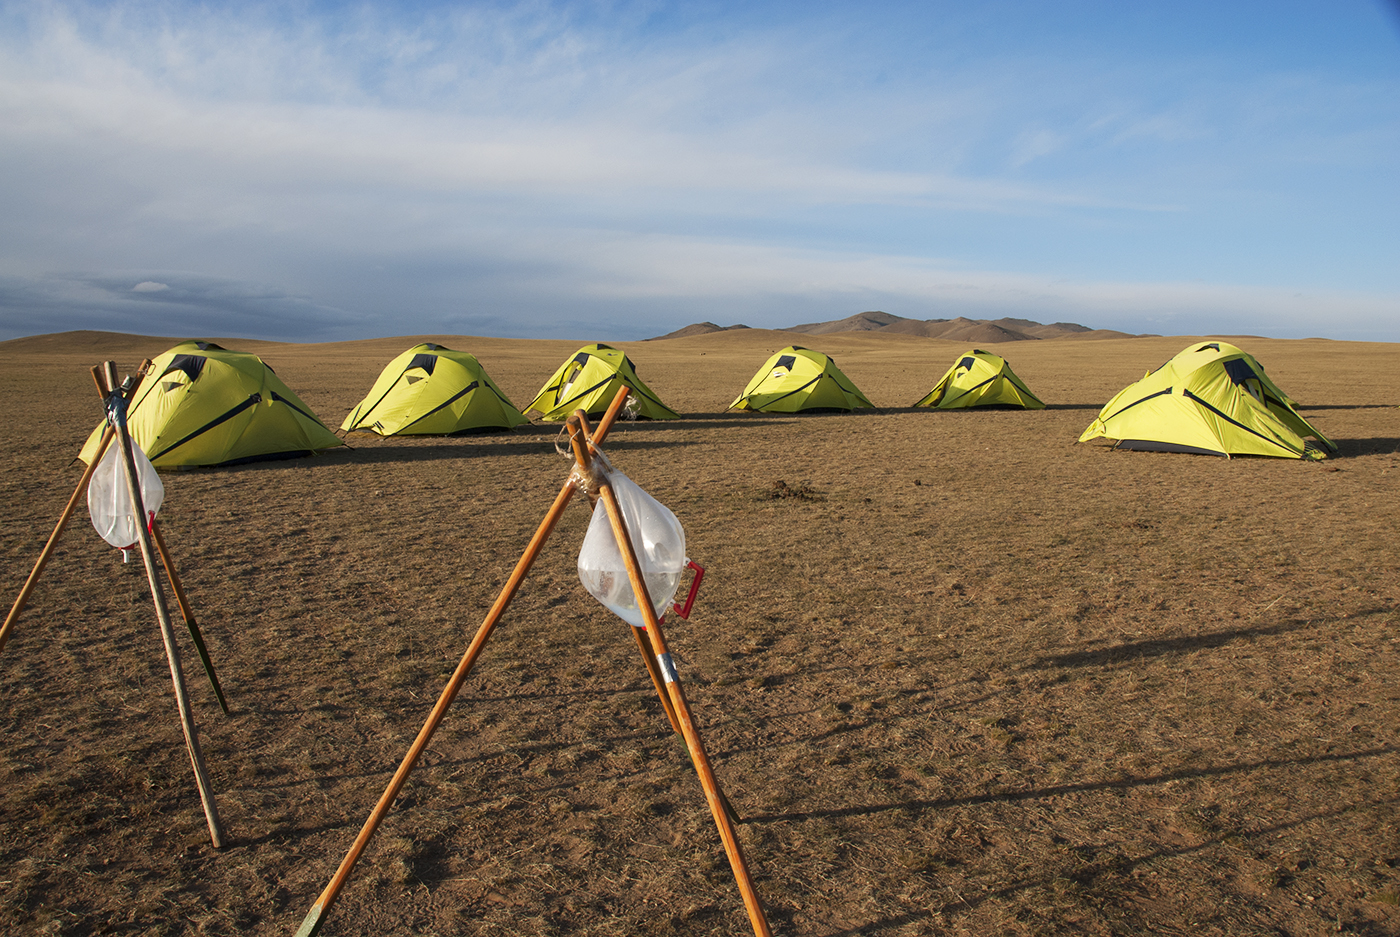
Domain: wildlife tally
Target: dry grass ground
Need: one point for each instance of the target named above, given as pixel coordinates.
(978, 679)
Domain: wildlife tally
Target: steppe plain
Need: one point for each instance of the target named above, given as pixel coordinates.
(975, 679)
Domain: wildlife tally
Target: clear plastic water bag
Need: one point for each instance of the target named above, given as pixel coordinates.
(109, 497)
(658, 540)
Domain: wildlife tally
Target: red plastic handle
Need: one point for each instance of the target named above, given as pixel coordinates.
(684, 610)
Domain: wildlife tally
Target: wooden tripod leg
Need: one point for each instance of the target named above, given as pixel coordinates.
(656, 679)
(172, 654)
(169, 563)
(78, 493)
(584, 445)
(582, 441)
(49, 547)
(757, 918)
(311, 924)
(654, 669)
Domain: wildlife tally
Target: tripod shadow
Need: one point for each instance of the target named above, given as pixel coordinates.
(1159, 647)
(1117, 865)
(1058, 790)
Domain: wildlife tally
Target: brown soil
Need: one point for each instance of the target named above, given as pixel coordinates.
(960, 674)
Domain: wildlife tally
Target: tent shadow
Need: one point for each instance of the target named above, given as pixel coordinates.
(995, 408)
(381, 454)
(723, 420)
(1379, 445)
(439, 448)
(1348, 406)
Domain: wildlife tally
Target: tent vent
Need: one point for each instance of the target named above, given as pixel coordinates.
(423, 362)
(786, 361)
(192, 365)
(967, 363)
(1239, 371)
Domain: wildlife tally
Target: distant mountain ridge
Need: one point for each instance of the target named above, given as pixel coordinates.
(956, 330)
(696, 328)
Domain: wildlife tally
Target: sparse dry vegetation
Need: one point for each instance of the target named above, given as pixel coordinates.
(959, 674)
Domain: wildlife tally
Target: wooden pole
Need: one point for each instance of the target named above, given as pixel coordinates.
(23, 599)
(582, 442)
(33, 580)
(169, 563)
(311, 924)
(172, 654)
(717, 801)
(657, 679)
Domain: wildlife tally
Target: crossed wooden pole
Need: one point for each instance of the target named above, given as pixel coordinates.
(593, 479)
(151, 543)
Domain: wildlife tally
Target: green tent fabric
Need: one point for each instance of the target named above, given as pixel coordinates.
(1212, 399)
(798, 378)
(589, 381)
(980, 379)
(200, 404)
(431, 390)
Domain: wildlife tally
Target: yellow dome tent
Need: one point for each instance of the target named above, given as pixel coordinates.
(798, 378)
(1211, 399)
(589, 381)
(201, 404)
(980, 379)
(431, 390)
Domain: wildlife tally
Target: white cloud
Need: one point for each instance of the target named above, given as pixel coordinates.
(540, 156)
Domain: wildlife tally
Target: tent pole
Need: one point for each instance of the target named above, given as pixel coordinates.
(169, 563)
(311, 924)
(717, 801)
(172, 654)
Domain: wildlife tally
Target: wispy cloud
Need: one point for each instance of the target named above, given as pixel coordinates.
(317, 173)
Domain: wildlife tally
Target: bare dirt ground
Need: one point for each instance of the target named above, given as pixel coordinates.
(974, 679)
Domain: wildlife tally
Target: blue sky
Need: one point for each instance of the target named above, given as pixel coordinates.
(325, 171)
